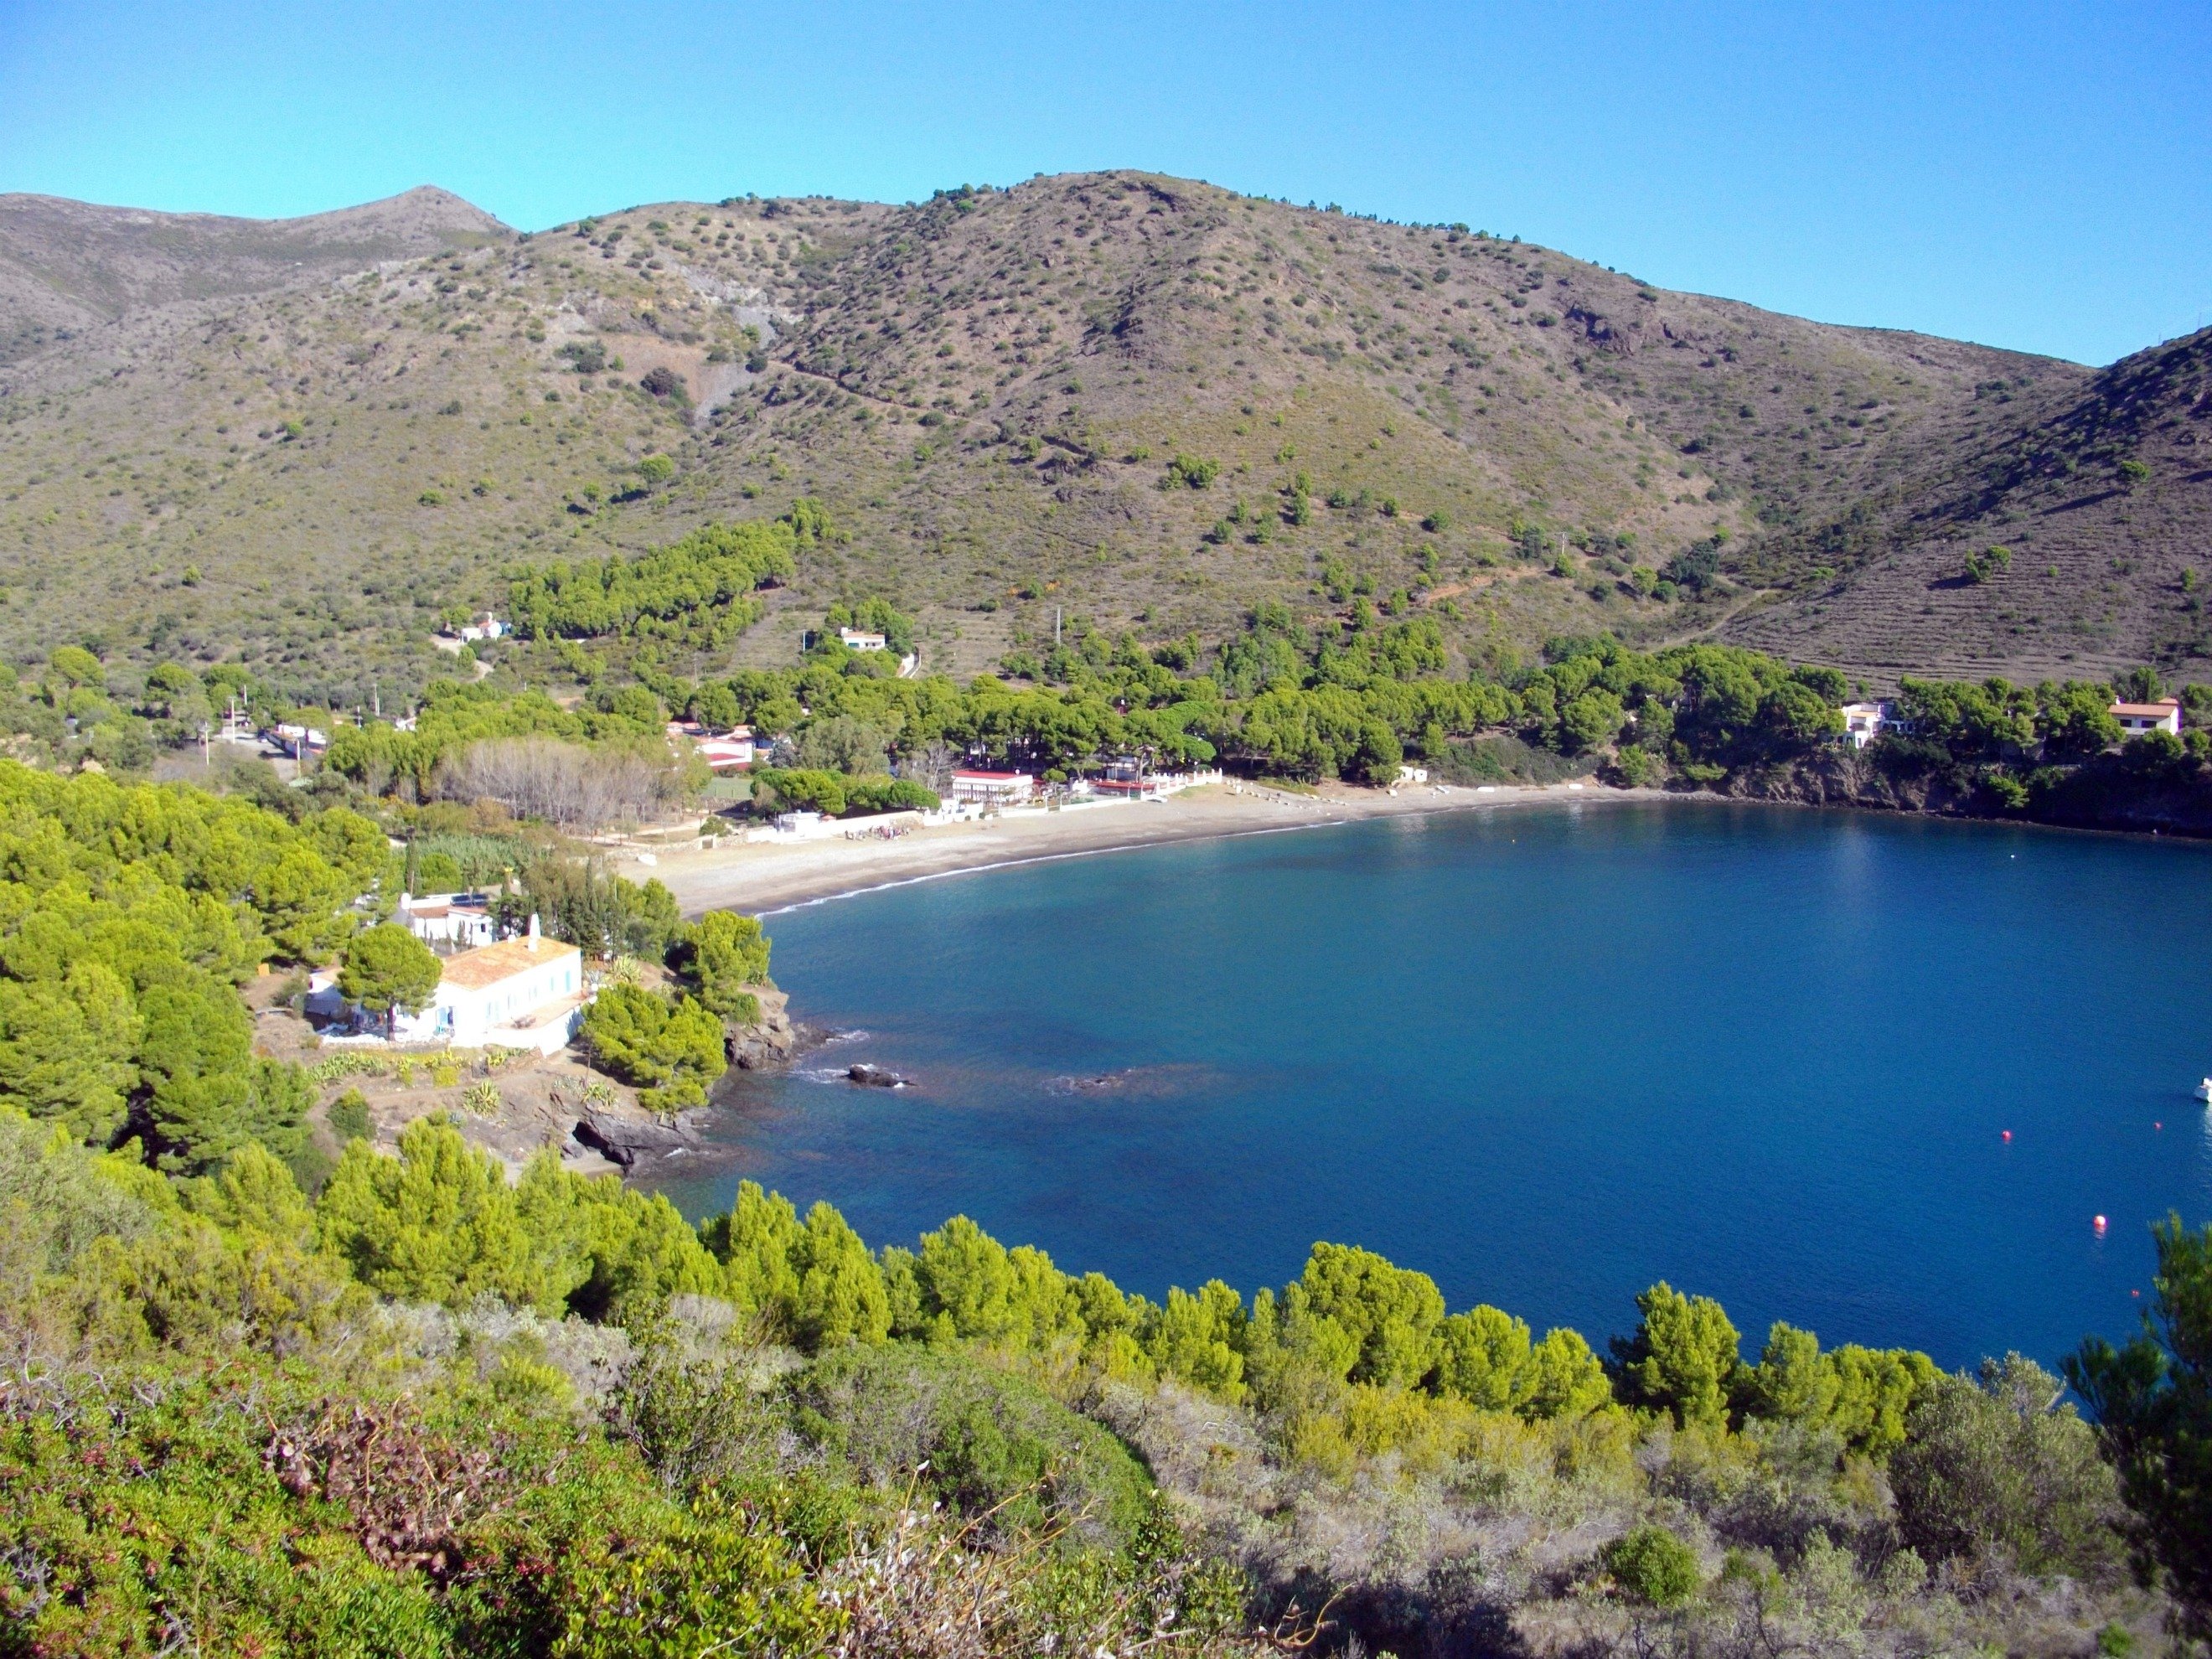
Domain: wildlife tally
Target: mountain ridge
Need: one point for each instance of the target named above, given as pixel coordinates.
(66, 265)
(989, 390)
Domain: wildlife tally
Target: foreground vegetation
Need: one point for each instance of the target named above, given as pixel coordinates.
(436, 1411)
(409, 1401)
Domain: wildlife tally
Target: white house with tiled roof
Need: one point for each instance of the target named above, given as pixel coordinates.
(524, 994)
(2137, 718)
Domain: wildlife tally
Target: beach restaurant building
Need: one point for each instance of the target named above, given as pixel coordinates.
(993, 788)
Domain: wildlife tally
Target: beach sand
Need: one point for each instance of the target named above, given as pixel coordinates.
(763, 876)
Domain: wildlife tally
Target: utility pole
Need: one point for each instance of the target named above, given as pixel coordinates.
(1055, 625)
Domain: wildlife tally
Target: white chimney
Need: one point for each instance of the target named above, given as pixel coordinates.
(531, 942)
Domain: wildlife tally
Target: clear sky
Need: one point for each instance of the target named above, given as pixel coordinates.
(2024, 174)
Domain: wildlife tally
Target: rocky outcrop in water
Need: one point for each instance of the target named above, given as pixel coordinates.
(622, 1135)
(773, 1040)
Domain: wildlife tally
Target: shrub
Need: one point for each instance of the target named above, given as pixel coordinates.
(671, 1051)
(1653, 1565)
(1997, 1461)
(1991, 562)
(387, 967)
(718, 957)
(867, 796)
(1192, 472)
(995, 1444)
(348, 1116)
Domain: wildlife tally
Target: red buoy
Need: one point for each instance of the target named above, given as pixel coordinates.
(2099, 1224)
(2008, 1135)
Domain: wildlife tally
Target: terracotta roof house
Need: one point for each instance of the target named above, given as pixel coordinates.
(2137, 718)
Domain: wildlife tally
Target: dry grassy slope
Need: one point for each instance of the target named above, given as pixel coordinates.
(1120, 318)
(911, 360)
(2107, 570)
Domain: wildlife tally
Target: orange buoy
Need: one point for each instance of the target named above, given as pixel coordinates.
(2099, 1224)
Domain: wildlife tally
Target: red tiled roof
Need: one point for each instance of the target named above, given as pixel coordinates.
(473, 970)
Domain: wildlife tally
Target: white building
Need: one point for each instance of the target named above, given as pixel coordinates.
(1412, 775)
(856, 638)
(994, 788)
(727, 751)
(1865, 721)
(2137, 718)
(485, 627)
(526, 993)
(462, 918)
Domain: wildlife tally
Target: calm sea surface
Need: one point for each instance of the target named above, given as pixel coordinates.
(1546, 1056)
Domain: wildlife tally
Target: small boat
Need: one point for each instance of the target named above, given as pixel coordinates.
(2204, 1090)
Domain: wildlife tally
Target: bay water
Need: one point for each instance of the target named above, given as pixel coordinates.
(1546, 1055)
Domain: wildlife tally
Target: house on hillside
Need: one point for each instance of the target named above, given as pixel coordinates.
(483, 626)
(732, 750)
(2137, 718)
(977, 788)
(462, 918)
(527, 993)
(859, 639)
(1865, 721)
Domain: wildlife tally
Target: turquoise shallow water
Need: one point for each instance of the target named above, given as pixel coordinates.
(1546, 1056)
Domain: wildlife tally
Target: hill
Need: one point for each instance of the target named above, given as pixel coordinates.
(67, 266)
(2101, 495)
(1142, 401)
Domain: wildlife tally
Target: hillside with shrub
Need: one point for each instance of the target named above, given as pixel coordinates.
(432, 1410)
(282, 1378)
(1150, 404)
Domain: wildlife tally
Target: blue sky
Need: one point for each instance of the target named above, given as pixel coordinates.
(2028, 175)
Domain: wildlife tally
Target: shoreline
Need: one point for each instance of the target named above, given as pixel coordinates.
(761, 880)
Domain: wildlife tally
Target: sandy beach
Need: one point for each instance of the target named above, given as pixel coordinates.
(763, 876)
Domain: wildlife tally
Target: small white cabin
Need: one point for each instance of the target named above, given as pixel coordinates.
(2137, 718)
(859, 639)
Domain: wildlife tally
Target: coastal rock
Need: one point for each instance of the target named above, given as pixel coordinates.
(774, 1040)
(877, 1077)
(621, 1137)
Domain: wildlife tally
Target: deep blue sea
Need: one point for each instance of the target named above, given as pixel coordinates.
(1546, 1055)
